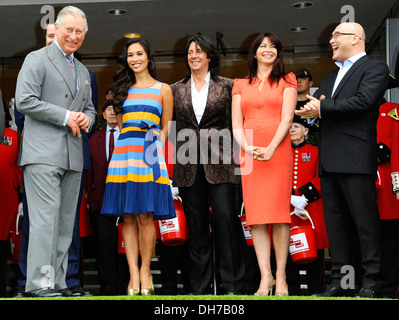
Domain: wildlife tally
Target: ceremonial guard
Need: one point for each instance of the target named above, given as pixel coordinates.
(10, 181)
(306, 200)
(388, 194)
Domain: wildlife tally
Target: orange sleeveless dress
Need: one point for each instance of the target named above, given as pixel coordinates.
(266, 185)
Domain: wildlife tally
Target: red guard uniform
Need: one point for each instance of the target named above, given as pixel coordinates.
(10, 181)
(388, 159)
(306, 182)
(388, 206)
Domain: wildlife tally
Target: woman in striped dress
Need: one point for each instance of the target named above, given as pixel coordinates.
(137, 181)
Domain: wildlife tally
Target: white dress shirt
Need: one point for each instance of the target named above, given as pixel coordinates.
(344, 68)
(116, 135)
(199, 98)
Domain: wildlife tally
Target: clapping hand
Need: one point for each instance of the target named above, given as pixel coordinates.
(311, 109)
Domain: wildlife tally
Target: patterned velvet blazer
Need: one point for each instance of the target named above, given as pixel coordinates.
(209, 142)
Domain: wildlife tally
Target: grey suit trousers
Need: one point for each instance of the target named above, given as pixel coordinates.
(52, 193)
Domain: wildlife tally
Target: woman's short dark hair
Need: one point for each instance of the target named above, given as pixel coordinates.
(278, 71)
(124, 77)
(206, 44)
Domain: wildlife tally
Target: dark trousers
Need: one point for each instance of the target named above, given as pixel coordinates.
(113, 270)
(350, 199)
(315, 275)
(172, 258)
(23, 249)
(226, 231)
(390, 257)
(4, 252)
(74, 274)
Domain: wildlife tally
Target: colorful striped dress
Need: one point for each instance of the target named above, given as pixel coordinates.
(137, 179)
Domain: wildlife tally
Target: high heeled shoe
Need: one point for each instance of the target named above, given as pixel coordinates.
(147, 292)
(269, 290)
(282, 293)
(133, 292)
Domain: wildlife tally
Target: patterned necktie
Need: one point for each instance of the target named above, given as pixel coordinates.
(111, 144)
(71, 66)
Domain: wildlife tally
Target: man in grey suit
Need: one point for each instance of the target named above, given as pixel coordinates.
(53, 91)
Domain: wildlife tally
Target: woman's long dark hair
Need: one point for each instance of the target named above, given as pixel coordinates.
(124, 77)
(278, 71)
(206, 44)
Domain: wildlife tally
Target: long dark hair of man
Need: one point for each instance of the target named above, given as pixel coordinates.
(124, 77)
(206, 44)
(278, 71)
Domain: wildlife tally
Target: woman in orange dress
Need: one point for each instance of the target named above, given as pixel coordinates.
(263, 106)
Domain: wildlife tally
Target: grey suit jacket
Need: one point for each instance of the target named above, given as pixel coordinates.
(45, 91)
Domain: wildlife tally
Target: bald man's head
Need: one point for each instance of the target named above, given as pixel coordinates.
(355, 28)
(348, 39)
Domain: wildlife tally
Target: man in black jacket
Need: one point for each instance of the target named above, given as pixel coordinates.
(347, 103)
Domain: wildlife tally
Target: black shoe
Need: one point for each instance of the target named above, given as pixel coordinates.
(75, 291)
(199, 292)
(389, 296)
(232, 292)
(367, 293)
(335, 292)
(43, 292)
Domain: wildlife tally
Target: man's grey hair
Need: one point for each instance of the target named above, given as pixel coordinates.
(73, 11)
